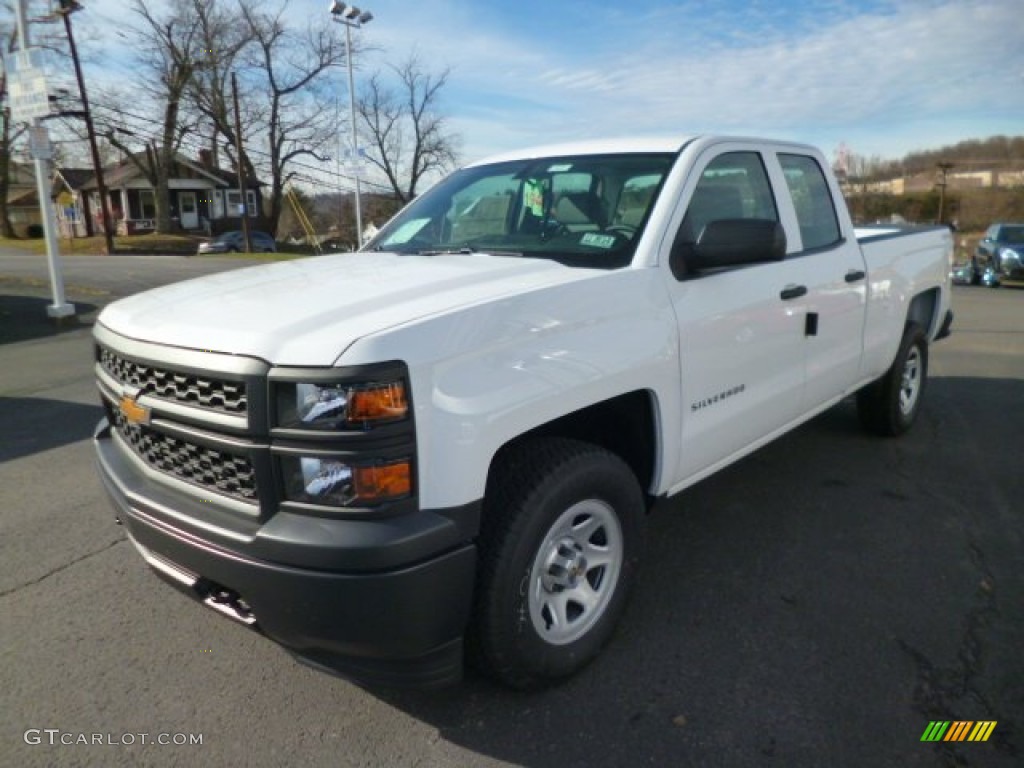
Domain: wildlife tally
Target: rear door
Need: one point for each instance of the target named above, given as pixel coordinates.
(832, 269)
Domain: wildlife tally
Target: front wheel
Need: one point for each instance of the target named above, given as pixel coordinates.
(564, 528)
(889, 406)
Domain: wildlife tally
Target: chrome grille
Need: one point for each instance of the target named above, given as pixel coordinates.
(191, 389)
(216, 470)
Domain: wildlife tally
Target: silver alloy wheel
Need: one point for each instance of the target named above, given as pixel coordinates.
(575, 572)
(910, 384)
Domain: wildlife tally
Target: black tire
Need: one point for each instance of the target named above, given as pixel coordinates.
(889, 406)
(551, 503)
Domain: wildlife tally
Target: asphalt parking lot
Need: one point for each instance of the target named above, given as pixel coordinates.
(818, 603)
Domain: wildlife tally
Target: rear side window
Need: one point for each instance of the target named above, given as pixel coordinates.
(812, 199)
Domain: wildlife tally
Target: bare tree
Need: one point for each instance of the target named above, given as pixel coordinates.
(298, 118)
(8, 136)
(172, 51)
(408, 134)
(223, 39)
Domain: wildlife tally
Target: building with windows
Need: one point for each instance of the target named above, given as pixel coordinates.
(203, 198)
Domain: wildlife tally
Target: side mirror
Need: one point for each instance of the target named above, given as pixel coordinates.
(733, 242)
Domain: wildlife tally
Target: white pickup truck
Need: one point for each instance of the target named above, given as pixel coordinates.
(446, 444)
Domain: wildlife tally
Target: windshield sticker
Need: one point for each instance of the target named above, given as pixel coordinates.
(533, 197)
(596, 240)
(560, 168)
(407, 231)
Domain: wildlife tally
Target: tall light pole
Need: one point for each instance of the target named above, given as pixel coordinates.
(351, 17)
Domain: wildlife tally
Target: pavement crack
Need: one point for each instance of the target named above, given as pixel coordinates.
(939, 689)
(61, 568)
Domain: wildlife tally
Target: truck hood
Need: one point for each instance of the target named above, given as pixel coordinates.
(308, 311)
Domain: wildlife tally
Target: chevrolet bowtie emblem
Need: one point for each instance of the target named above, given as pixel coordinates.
(132, 411)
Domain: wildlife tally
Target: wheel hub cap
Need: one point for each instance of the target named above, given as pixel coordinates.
(566, 565)
(575, 572)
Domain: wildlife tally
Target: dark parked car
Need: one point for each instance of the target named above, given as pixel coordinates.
(1003, 248)
(229, 242)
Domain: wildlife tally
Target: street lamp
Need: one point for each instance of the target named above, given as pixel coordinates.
(351, 17)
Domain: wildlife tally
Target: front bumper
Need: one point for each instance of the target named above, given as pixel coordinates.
(382, 601)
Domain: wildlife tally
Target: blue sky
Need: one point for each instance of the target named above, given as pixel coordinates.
(883, 77)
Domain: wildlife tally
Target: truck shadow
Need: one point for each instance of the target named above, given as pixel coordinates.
(804, 589)
(33, 425)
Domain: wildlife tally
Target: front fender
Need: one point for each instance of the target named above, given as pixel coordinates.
(483, 375)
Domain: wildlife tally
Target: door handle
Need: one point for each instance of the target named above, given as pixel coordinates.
(793, 292)
(854, 275)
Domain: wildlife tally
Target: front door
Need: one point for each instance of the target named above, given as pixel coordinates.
(188, 212)
(741, 335)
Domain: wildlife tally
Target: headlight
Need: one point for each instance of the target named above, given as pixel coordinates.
(331, 481)
(329, 406)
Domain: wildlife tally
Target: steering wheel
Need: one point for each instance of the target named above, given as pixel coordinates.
(554, 228)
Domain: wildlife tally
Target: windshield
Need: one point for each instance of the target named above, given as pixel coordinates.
(582, 211)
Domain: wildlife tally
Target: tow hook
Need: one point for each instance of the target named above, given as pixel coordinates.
(231, 604)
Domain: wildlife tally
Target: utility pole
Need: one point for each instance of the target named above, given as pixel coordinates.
(42, 153)
(67, 7)
(943, 170)
(241, 166)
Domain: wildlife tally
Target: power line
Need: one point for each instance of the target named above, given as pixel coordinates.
(191, 144)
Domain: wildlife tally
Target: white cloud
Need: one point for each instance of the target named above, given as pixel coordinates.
(916, 62)
(895, 72)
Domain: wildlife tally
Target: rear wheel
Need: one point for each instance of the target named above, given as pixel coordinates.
(890, 405)
(564, 527)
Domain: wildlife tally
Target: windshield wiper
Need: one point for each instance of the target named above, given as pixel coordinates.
(466, 249)
(446, 251)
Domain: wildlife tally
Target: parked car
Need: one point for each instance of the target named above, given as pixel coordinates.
(1003, 248)
(234, 241)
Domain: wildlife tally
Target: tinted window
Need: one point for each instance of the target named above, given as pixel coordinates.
(812, 199)
(733, 186)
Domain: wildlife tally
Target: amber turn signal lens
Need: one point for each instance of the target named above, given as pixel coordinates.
(384, 402)
(383, 481)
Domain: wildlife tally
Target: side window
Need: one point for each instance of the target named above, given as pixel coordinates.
(733, 186)
(812, 199)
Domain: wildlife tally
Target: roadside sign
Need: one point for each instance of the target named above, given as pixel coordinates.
(355, 162)
(30, 58)
(26, 81)
(39, 143)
